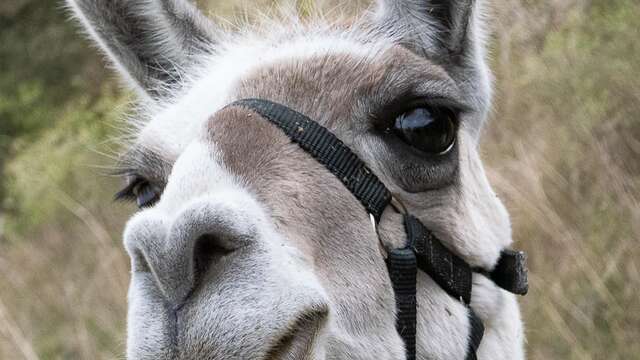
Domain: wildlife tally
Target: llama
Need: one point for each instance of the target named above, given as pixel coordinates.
(245, 247)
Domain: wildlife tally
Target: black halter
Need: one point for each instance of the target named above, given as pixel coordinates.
(423, 250)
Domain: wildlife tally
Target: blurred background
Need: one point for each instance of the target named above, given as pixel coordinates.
(562, 149)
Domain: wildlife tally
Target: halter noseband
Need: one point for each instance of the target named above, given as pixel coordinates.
(423, 249)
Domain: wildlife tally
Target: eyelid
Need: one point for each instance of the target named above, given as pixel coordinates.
(126, 193)
(147, 195)
(437, 101)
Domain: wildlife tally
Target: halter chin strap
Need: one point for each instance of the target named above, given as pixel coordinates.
(423, 249)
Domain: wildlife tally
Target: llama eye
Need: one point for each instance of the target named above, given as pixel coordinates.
(145, 193)
(142, 191)
(428, 129)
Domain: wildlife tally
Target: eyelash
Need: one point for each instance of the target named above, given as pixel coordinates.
(138, 186)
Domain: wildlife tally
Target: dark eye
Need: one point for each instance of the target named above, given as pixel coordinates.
(146, 194)
(142, 191)
(429, 129)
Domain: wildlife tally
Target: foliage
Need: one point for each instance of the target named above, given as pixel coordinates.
(44, 65)
(33, 180)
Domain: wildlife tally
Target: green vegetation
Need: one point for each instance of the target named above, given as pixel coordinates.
(50, 80)
(562, 149)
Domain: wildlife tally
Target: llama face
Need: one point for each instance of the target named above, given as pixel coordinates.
(246, 247)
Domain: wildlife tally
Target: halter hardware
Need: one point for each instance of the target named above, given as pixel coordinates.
(399, 207)
(423, 249)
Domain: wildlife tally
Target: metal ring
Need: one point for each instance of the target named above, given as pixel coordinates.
(373, 223)
(383, 249)
(398, 205)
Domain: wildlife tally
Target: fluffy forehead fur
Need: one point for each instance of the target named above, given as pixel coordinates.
(211, 85)
(215, 77)
(302, 247)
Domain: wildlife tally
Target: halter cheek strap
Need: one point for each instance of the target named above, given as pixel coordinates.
(423, 249)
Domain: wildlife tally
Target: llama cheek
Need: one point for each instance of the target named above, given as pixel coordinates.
(483, 224)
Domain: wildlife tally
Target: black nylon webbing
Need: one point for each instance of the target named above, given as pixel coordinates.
(445, 268)
(510, 273)
(475, 336)
(403, 273)
(328, 150)
(448, 270)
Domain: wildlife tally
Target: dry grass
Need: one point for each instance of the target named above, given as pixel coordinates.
(562, 150)
(63, 290)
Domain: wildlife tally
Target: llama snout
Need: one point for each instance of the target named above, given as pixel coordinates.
(178, 250)
(217, 265)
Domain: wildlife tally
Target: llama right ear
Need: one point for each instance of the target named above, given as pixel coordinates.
(151, 42)
(443, 30)
(449, 33)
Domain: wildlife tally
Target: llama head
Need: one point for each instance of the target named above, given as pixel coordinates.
(245, 246)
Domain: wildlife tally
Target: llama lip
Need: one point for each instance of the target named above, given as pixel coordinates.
(300, 334)
(295, 335)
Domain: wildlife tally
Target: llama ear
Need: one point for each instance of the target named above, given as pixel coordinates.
(151, 42)
(443, 30)
(449, 33)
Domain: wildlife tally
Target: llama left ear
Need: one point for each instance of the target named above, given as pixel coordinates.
(150, 42)
(443, 30)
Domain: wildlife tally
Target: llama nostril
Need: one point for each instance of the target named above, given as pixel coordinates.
(209, 249)
(179, 255)
(180, 261)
